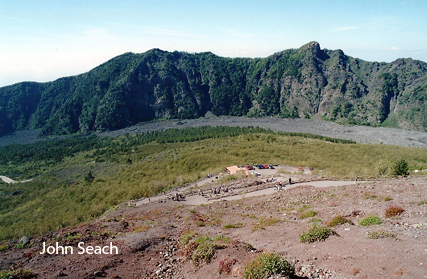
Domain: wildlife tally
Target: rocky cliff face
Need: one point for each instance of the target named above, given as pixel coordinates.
(308, 82)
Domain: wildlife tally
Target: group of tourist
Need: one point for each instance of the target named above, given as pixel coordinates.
(217, 191)
(279, 184)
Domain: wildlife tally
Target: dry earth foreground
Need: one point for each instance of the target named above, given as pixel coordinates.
(380, 232)
(360, 134)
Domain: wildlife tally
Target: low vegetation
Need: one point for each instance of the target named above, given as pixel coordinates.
(315, 220)
(303, 208)
(204, 252)
(17, 274)
(401, 168)
(233, 226)
(202, 249)
(77, 179)
(265, 223)
(339, 220)
(187, 236)
(316, 233)
(393, 211)
(266, 265)
(370, 221)
(380, 234)
(307, 214)
(4, 247)
(423, 202)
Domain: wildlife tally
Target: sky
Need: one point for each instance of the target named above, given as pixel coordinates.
(47, 39)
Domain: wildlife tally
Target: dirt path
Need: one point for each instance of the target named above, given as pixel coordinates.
(261, 174)
(198, 199)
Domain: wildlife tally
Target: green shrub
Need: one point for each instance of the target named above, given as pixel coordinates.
(4, 247)
(303, 208)
(422, 202)
(339, 220)
(265, 222)
(307, 214)
(89, 177)
(266, 265)
(317, 233)
(17, 274)
(370, 220)
(187, 236)
(233, 226)
(222, 239)
(202, 249)
(204, 252)
(380, 234)
(401, 168)
(393, 211)
(229, 226)
(72, 237)
(315, 220)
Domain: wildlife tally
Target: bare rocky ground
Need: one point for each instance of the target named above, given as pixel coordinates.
(360, 134)
(149, 236)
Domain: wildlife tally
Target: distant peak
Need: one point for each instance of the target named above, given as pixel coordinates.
(311, 45)
(314, 44)
(155, 50)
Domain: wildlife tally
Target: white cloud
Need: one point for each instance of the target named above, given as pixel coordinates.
(394, 48)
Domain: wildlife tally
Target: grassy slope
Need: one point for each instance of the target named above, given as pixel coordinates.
(59, 200)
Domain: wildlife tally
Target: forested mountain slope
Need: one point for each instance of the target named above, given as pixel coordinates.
(308, 82)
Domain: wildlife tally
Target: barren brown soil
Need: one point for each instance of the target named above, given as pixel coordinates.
(149, 236)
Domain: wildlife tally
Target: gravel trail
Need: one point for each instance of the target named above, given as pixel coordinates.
(198, 200)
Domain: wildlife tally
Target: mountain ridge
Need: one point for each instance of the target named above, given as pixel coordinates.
(308, 82)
